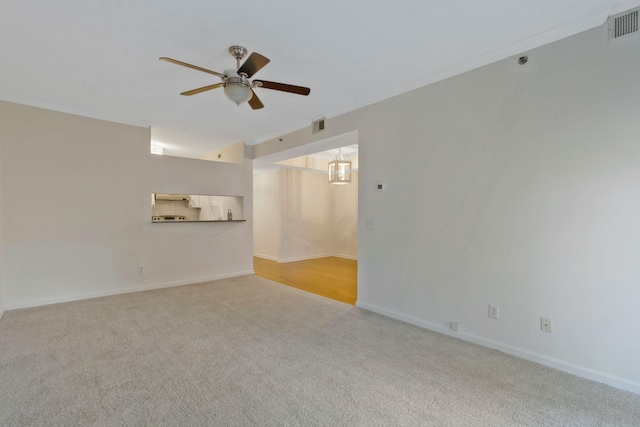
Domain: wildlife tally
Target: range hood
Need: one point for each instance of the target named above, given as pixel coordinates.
(165, 196)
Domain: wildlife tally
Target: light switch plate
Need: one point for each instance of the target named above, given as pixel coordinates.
(494, 311)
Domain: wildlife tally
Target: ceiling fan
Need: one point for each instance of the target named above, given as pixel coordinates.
(236, 83)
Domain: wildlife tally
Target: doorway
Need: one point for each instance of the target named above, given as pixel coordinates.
(305, 229)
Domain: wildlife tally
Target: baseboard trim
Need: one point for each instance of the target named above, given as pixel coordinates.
(191, 281)
(304, 258)
(541, 359)
(270, 258)
(355, 258)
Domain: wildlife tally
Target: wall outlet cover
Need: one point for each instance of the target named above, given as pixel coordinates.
(494, 311)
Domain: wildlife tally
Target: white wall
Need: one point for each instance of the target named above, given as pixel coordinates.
(302, 216)
(234, 153)
(76, 211)
(345, 218)
(1, 236)
(306, 219)
(510, 185)
(267, 229)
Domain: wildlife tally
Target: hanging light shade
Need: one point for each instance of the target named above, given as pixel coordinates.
(236, 87)
(339, 170)
(237, 92)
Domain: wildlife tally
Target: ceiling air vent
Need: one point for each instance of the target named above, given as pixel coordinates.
(623, 25)
(317, 126)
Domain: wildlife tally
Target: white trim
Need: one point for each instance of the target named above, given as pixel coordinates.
(269, 257)
(551, 362)
(355, 258)
(531, 43)
(76, 111)
(283, 131)
(303, 258)
(126, 290)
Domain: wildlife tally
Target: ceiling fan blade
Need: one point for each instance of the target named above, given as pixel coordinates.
(300, 90)
(253, 64)
(202, 89)
(255, 102)
(195, 67)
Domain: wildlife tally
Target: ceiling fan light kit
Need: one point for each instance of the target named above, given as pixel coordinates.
(237, 88)
(237, 84)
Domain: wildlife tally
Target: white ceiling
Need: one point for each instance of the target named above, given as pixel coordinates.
(100, 58)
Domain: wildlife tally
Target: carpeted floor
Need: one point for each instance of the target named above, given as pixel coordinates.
(247, 351)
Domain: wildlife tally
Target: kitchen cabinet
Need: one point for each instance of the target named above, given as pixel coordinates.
(194, 201)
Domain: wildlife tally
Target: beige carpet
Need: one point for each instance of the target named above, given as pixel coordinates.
(247, 351)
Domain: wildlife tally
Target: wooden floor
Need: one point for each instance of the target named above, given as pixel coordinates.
(331, 277)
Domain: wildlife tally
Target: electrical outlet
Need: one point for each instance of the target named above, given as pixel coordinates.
(545, 325)
(455, 326)
(494, 311)
(140, 270)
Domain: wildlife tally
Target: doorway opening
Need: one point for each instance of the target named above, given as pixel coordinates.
(306, 229)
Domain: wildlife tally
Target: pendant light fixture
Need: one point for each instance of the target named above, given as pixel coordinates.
(339, 170)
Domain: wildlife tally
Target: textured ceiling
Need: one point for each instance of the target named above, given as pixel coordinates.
(100, 58)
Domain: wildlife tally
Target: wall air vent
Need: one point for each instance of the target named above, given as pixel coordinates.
(317, 126)
(623, 25)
